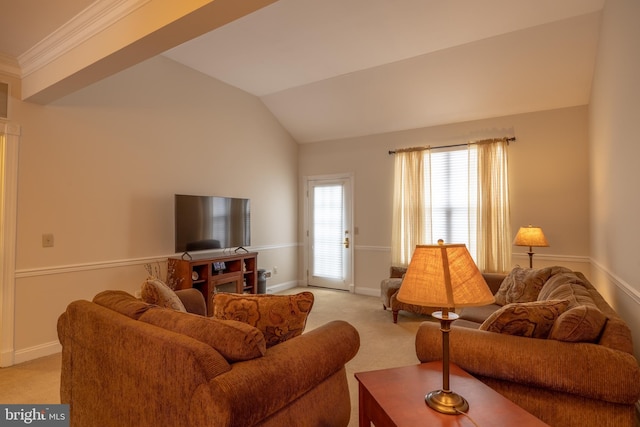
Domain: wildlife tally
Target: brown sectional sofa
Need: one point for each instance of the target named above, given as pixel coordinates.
(129, 363)
(580, 371)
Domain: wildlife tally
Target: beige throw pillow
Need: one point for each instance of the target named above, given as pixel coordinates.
(531, 319)
(155, 291)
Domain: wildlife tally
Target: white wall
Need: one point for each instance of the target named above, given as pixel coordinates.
(615, 172)
(98, 169)
(548, 174)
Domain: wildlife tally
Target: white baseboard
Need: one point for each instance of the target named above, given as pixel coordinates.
(6, 358)
(370, 292)
(273, 289)
(37, 352)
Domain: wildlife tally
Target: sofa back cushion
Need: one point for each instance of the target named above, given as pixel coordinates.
(524, 284)
(530, 319)
(278, 317)
(122, 302)
(235, 341)
(583, 321)
(397, 272)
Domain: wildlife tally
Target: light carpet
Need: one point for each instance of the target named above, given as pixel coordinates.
(383, 344)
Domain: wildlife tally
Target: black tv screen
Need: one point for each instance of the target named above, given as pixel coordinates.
(211, 222)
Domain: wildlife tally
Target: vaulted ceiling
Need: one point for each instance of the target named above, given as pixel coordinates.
(330, 69)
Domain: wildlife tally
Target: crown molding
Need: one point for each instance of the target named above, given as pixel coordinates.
(9, 128)
(9, 65)
(91, 21)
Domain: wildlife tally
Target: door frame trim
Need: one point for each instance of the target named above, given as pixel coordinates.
(350, 176)
(8, 222)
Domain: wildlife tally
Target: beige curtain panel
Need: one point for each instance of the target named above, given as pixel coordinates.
(412, 223)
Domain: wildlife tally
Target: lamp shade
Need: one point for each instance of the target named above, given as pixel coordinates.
(444, 276)
(530, 236)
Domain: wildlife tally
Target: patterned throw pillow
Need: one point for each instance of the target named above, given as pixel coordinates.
(531, 319)
(155, 291)
(279, 317)
(524, 284)
(579, 324)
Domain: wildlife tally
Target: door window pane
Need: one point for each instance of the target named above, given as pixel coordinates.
(328, 231)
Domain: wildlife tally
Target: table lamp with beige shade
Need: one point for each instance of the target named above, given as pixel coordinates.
(444, 275)
(530, 236)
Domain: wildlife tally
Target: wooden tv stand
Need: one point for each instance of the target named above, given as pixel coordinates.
(209, 274)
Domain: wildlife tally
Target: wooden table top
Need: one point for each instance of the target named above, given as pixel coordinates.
(400, 392)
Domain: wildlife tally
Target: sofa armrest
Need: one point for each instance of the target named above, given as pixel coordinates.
(258, 388)
(193, 301)
(584, 369)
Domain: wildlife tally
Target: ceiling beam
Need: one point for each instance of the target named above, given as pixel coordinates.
(145, 29)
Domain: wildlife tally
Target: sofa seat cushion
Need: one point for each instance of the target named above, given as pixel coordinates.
(478, 314)
(122, 302)
(278, 317)
(524, 284)
(531, 319)
(155, 291)
(235, 341)
(584, 321)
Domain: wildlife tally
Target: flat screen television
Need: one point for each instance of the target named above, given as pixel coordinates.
(211, 222)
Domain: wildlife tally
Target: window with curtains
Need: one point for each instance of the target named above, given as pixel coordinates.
(451, 179)
(458, 194)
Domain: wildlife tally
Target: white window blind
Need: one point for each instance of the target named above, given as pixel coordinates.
(451, 183)
(328, 231)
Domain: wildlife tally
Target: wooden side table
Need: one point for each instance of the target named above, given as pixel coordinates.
(395, 398)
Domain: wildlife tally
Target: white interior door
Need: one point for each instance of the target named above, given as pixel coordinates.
(330, 242)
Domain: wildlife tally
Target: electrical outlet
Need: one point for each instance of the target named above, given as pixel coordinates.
(275, 270)
(47, 240)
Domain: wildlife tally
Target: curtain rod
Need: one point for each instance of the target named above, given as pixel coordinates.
(508, 139)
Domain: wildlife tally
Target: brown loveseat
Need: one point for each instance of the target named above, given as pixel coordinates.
(580, 370)
(129, 363)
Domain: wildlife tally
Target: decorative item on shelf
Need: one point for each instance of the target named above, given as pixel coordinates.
(155, 271)
(444, 276)
(194, 275)
(219, 267)
(530, 236)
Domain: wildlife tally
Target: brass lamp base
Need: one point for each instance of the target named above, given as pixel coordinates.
(446, 402)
